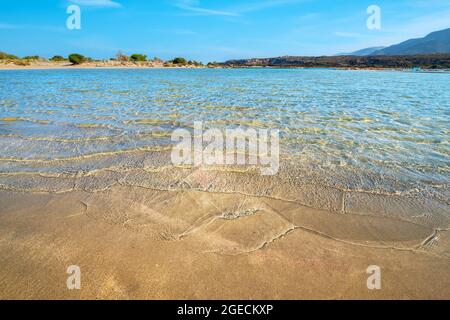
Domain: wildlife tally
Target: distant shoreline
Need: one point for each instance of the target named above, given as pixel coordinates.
(434, 63)
(93, 65)
(411, 62)
(12, 68)
(129, 66)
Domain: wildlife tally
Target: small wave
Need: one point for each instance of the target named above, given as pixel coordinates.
(86, 156)
(18, 119)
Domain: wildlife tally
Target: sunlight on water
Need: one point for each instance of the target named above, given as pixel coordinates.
(386, 123)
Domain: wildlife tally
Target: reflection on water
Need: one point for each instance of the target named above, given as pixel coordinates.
(384, 126)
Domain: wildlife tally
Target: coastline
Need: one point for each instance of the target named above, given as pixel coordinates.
(95, 66)
(100, 67)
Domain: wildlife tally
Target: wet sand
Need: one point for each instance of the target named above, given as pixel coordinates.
(197, 233)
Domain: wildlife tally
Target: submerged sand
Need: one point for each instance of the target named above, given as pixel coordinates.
(147, 230)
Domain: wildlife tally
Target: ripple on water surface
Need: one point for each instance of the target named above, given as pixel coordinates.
(383, 132)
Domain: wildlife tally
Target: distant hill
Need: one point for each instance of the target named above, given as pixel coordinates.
(436, 42)
(430, 52)
(431, 61)
(362, 52)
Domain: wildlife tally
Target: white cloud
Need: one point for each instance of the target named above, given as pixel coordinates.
(235, 11)
(265, 4)
(97, 3)
(204, 11)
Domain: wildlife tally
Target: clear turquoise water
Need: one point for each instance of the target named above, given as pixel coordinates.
(394, 124)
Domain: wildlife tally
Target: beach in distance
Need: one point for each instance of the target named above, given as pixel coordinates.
(88, 179)
(429, 63)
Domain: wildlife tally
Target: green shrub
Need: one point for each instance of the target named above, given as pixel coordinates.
(76, 58)
(57, 59)
(31, 58)
(181, 61)
(138, 57)
(7, 56)
(196, 63)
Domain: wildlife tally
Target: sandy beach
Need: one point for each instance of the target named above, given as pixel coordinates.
(49, 65)
(200, 234)
(127, 261)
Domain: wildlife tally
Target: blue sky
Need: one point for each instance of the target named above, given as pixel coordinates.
(209, 30)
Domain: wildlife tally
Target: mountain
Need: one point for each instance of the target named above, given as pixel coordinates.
(430, 52)
(362, 52)
(436, 42)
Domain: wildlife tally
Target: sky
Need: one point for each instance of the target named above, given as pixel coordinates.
(213, 30)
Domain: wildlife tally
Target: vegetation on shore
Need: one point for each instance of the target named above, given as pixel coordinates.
(137, 59)
(58, 59)
(76, 58)
(7, 56)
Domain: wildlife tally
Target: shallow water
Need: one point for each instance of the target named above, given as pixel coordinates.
(375, 132)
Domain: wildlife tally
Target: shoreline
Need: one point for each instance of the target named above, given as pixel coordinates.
(89, 67)
(9, 67)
